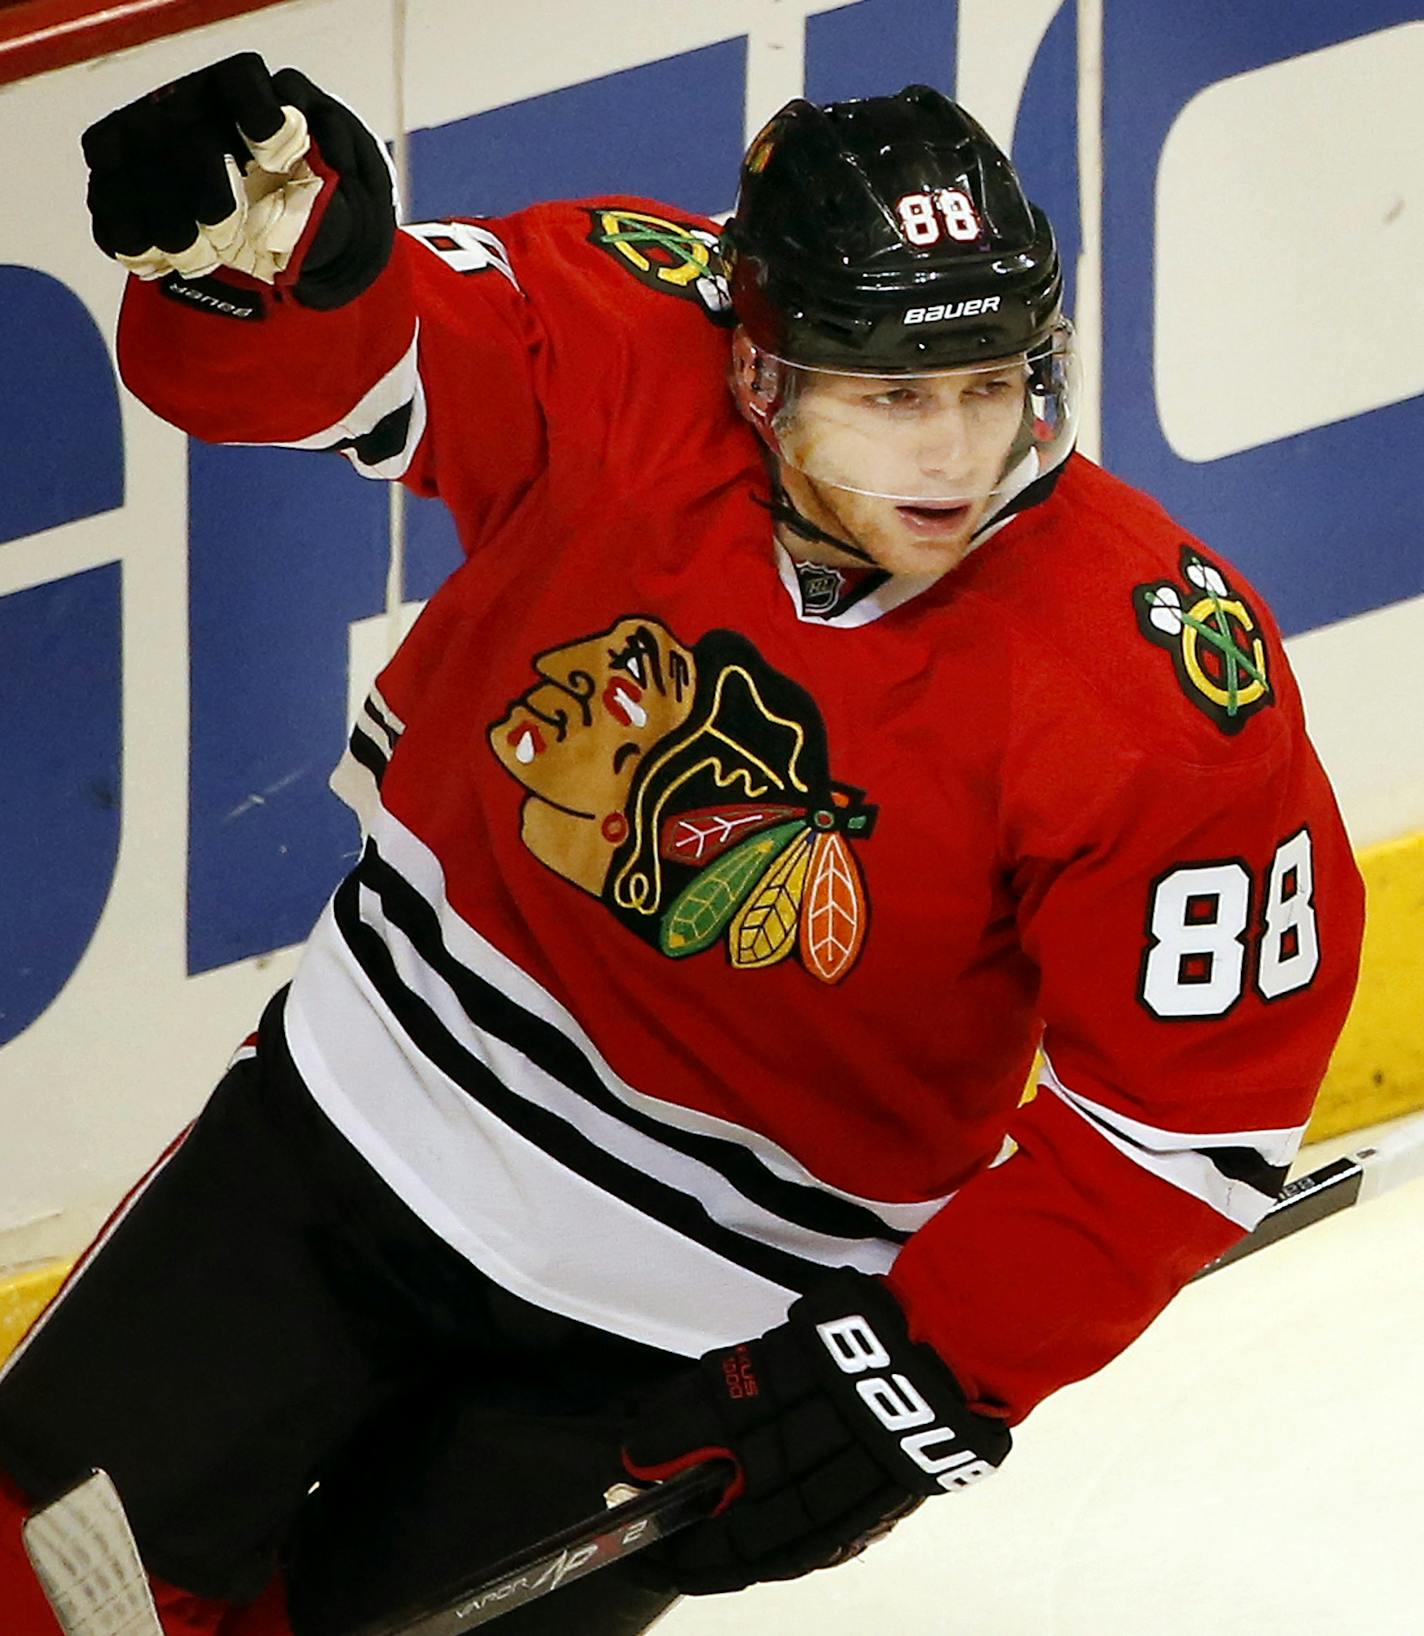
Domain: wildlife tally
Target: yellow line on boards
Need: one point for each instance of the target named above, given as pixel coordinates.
(1377, 1071)
(23, 1296)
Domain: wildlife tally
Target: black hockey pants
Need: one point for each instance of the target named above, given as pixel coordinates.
(282, 1368)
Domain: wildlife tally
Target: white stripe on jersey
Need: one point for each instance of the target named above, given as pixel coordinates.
(399, 389)
(418, 864)
(530, 1223)
(610, 1207)
(1194, 1161)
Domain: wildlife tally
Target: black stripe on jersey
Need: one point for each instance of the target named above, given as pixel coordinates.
(386, 439)
(495, 1013)
(547, 1046)
(1248, 1166)
(390, 732)
(368, 753)
(555, 1136)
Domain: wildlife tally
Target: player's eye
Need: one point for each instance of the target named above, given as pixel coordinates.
(895, 397)
(997, 386)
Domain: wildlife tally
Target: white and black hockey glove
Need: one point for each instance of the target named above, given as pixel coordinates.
(838, 1424)
(233, 167)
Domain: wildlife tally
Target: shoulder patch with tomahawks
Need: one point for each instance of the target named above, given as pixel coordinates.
(1213, 637)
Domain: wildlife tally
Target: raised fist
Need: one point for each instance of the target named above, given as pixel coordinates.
(230, 167)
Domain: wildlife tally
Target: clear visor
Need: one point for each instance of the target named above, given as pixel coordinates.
(955, 437)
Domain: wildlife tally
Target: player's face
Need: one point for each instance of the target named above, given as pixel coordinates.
(904, 467)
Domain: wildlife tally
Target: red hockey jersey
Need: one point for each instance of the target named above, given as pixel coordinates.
(708, 919)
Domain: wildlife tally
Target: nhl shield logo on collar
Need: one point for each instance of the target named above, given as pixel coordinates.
(1213, 637)
(820, 587)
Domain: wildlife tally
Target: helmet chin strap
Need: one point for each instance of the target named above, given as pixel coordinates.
(783, 510)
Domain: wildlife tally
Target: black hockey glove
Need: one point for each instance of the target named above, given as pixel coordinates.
(839, 1425)
(234, 167)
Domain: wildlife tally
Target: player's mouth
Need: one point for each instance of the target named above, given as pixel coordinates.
(935, 519)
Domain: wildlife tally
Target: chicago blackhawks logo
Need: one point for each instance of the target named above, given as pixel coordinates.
(1211, 634)
(689, 789)
(665, 255)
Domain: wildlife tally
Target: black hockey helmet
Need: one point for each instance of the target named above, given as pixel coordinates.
(888, 234)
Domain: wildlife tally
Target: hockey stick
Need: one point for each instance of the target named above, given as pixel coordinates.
(84, 1556)
(1358, 1177)
(587, 1545)
(1396, 1158)
(1355, 1179)
(84, 1553)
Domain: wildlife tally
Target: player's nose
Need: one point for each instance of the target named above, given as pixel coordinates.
(942, 446)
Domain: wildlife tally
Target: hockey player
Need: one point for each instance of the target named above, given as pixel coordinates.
(784, 766)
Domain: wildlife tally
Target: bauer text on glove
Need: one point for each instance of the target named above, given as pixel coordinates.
(838, 1424)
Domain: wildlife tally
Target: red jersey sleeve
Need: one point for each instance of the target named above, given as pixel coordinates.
(1196, 926)
(490, 356)
(429, 376)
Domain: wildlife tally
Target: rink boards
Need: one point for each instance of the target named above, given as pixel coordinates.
(184, 627)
